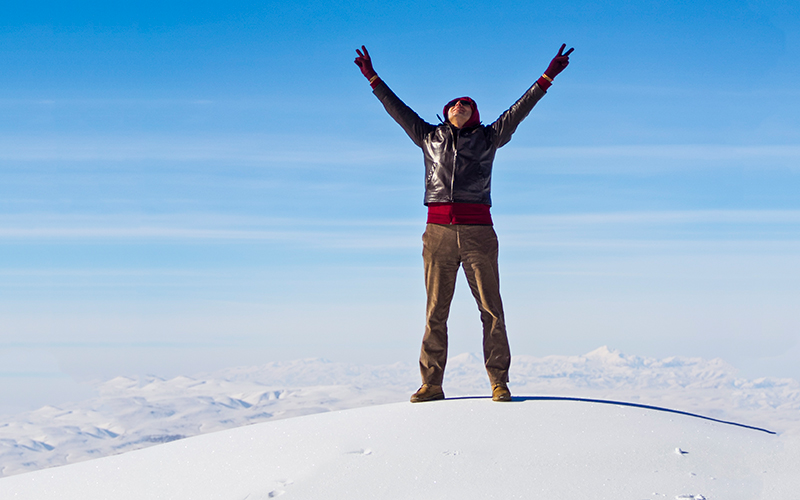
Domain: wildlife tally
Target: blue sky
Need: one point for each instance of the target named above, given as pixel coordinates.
(195, 185)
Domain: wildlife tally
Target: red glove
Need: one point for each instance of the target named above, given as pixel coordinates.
(559, 62)
(364, 63)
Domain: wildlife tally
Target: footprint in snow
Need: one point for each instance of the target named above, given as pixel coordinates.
(271, 494)
(364, 451)
(262, 496)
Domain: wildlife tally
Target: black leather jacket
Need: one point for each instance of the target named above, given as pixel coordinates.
(458, 162)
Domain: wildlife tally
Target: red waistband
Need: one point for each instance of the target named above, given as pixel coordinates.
(459, 213)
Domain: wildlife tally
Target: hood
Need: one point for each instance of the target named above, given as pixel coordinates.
(474, 120)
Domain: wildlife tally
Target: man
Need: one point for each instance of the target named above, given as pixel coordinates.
(459, 154)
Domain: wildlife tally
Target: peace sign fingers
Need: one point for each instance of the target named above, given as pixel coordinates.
(561, 51)
(365, 55)
(559, 62)
(364, 62)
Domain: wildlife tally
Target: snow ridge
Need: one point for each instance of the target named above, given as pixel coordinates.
(130, 414)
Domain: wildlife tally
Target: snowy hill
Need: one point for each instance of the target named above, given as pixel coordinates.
(454, 449)
(130, 414)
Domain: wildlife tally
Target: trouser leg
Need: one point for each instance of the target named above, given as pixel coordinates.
(479, 256)
(441, 261)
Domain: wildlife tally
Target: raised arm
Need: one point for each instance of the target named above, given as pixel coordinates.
(415, 127)
(508, 122)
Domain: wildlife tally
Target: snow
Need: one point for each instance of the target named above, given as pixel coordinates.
(601, 425)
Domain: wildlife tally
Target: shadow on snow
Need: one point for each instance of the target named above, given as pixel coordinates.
(520, 399)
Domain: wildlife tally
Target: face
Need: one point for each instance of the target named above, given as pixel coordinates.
(460, 111)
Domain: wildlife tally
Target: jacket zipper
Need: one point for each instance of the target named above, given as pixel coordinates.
(455, 158)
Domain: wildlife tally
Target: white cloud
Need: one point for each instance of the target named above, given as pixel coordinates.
(355, 233)
(242, 148)
(297, 150)
(652, 157)
(663, 217)
(699, 229)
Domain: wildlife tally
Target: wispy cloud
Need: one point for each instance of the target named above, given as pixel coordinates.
(615, 229)
(659, 157)
(664, 217)
(271, 148)
(335, 233)
(747, 232)
(246, 148)
(669, 151)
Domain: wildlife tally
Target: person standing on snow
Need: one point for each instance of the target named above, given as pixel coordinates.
(459, 154)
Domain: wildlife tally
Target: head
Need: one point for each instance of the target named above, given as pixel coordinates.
(462, 112)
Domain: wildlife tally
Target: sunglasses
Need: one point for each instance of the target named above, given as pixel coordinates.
(463, 102)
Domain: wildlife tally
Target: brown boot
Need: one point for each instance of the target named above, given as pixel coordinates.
(500, 392)
(428, 392)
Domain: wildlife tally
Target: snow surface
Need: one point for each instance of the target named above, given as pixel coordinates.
(555, 441)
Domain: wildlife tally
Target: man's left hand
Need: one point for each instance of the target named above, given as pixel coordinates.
(559, 62)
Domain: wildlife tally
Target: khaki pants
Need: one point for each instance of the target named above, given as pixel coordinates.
(445, 248)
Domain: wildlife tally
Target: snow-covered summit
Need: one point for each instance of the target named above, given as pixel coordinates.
(130, 413)
(454, 449)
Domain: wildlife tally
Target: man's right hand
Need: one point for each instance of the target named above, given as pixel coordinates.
(364, 63)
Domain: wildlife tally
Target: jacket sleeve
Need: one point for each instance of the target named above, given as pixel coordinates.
(507, 124)
(415, 127)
